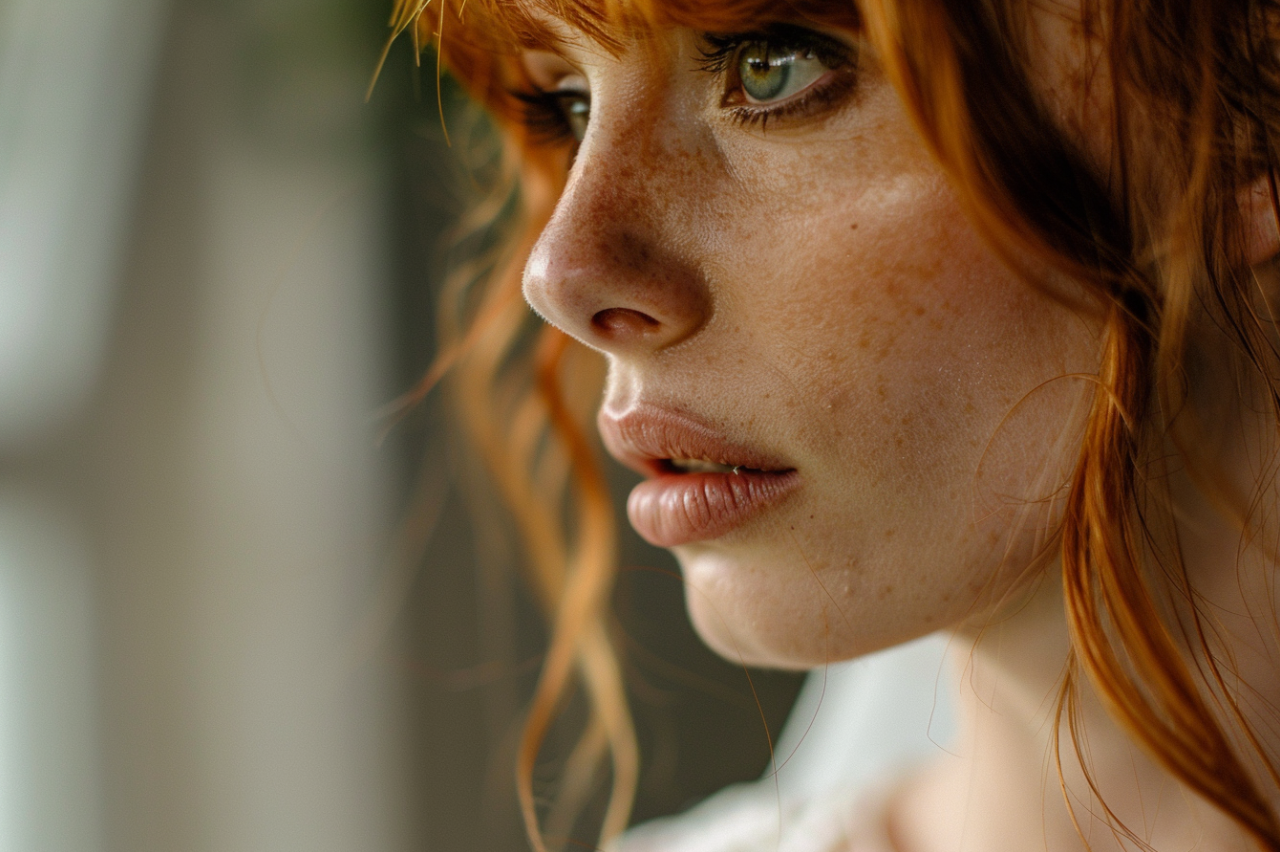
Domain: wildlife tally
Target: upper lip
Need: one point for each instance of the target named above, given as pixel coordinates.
(645, 437)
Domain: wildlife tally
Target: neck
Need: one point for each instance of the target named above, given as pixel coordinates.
(1003, 788)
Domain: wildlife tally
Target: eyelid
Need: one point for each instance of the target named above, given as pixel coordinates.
(575, 83)
(546, 69)
(721, 46)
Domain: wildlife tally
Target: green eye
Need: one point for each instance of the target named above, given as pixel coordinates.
(577, 113)
(769, 74)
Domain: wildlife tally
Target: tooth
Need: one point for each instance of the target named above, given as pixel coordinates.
(701, 466)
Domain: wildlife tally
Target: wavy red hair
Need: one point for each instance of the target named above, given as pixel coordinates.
(1192, 85)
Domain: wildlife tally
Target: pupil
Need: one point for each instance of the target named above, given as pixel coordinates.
(764, 73)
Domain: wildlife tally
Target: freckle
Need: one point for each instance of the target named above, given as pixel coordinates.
(885, 591)
(993, 537)
(853, 227)
(918, 310)
(889, 533)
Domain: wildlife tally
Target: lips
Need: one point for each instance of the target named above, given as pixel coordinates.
(699, 486)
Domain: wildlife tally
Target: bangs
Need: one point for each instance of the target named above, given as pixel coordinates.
(508, 26)
(479, 41)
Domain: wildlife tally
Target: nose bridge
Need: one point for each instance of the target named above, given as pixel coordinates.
(613, 265)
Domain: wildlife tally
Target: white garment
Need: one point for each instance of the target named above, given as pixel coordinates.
(855, 729)
(745, 818)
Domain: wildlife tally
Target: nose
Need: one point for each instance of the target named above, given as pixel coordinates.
(615, 266)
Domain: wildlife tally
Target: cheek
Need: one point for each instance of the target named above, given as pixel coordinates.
(920, 387)
(912, 343)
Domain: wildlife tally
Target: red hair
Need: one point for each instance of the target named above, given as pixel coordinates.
(1193, 87)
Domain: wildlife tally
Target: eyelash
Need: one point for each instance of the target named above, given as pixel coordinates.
(543, 116)
(544, 111)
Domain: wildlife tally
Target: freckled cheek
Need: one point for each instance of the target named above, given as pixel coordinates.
(878, 303)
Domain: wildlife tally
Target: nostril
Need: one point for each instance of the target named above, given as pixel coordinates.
(624, 322)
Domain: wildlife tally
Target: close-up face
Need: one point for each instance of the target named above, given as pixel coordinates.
(855, 421)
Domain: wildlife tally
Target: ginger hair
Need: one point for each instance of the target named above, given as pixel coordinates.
(1154, 237)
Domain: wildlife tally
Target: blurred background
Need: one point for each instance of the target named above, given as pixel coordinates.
(231, 618)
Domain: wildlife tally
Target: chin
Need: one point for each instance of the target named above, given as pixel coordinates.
(772, 613)
(755, 651)
(756, 615)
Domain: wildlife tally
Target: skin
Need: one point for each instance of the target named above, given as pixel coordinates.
(814, 289)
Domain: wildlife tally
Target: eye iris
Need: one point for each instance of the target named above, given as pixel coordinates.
(765, 73)
(577, 113)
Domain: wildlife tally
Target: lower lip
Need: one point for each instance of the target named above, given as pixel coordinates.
(681, 508)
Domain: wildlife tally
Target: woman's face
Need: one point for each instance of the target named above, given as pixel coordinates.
(852, 417)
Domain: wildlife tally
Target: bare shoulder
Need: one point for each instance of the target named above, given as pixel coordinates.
(753, 818)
